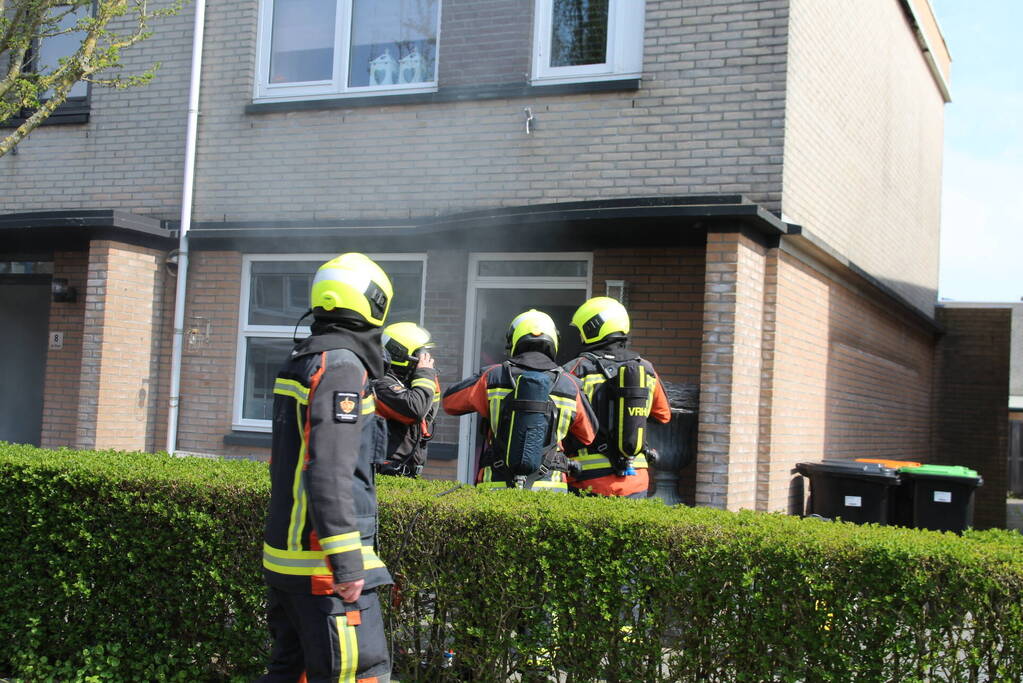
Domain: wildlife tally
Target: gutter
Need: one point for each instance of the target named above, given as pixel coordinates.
(188, 183)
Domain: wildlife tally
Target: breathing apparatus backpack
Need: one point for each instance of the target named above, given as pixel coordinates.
(526, 441)
(625, 412)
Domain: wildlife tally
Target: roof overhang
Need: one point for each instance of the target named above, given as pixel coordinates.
(72, 230)
(653, 221)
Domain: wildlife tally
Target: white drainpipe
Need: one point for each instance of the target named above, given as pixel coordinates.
(186, 222)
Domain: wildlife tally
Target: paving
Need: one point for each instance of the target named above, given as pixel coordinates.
(1014, 514)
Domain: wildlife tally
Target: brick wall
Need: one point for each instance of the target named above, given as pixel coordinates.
(119, 346)
(708, 118)
(844, 375)
(730, 377)
(207, 370)
(863, 140)
(63, 366)
(482, 41)
(970, 395)
(130, 153)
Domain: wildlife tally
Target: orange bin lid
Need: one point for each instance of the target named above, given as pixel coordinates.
(894, 464)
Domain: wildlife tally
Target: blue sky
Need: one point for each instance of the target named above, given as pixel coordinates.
(982, 198)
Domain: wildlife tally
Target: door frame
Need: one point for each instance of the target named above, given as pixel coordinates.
(471, 341)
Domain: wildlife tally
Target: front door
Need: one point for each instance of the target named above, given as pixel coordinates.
(500, 287)
(24, 318)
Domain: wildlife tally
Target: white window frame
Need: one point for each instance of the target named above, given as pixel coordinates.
(336, 87)
(624, 46)
(471, 341)
(247, 331)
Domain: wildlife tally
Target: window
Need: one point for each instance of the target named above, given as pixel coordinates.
(61, 41)
(275, 292)
(587, 40)
(327, 48)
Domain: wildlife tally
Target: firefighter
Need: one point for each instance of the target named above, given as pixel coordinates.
(496, 393)
(616, 463)
(407, 397)
(319, 555)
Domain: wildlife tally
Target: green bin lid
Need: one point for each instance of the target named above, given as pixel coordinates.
(942, 471)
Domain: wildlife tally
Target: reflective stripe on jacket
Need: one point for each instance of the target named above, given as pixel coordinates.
(321, 522)
(590, 457)
(486, 392)
(410, 408)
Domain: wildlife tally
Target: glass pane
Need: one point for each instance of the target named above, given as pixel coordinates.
(279, 290)
(263, 358)
(393, 42)
(26, 267)
(532, 269)
(302, 44)
(53, 48)
(578, 32)
(407, 280)
(495, 309)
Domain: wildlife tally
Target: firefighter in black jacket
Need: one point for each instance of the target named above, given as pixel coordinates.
(319, 557)
(407, 398)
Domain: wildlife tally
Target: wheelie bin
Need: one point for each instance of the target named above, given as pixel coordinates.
(859, 492)
(942, 496)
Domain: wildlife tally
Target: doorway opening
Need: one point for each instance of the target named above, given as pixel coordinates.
(500, 287)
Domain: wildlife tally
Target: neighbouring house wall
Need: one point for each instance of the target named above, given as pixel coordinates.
(845, 377)
(130, 153)
(64, 366)
(707, 118)
(863, 141)
(970, 425)
(120, 343)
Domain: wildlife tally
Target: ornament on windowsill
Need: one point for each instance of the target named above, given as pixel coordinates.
(383, 70)
(412, 68)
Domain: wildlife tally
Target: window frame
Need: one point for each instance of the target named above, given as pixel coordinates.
(247, 331)
(625, 28)
(337, 87)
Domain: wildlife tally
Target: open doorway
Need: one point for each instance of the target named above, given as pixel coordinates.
(500, 287)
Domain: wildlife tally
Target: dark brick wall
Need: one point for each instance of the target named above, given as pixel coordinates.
(482, 42)
(971, 402)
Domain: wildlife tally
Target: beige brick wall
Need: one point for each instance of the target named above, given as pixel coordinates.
(845, 377)
(120, 347)
(63, 366)
(863, 141)
(730, 378)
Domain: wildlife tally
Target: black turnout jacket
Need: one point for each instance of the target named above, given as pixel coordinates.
(410, 408)
(321, 523)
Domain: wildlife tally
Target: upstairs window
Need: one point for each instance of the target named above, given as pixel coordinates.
(311, 49)
(587, 40)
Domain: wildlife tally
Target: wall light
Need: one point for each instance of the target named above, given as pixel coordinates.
(618, 290)
(62, 292)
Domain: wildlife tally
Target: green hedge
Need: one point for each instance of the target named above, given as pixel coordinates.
(145, 567)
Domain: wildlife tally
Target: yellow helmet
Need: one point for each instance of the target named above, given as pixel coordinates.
(352, 282)
(533, 325)
(599, 318)
(403, 342)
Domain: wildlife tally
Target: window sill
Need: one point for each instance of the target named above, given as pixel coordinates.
(257, 439)
(58, 118)
(450, 94)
